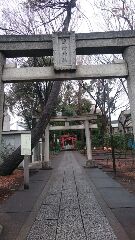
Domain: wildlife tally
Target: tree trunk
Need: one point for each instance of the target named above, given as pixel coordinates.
(12, 161)
(103, 128)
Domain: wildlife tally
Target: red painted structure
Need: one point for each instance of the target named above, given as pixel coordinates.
(68, 142)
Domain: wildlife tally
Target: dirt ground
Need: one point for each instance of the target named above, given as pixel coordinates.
(10, 184)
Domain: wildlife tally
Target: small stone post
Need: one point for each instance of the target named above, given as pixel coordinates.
(46, 162)
(129, 56)
(89, 162)
(26, 152)
(66, 124)
(36, 153)
(43, 147)
(32, 155)
(40, 149)
(26, 172)
(2, 62)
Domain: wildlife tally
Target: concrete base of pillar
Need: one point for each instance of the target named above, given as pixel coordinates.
(90, 164)
(46, 166)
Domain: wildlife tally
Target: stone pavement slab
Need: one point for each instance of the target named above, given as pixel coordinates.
(12, 223)
(113, 195)
(126, 217)
(94, 172)
(103, 182)
(76, 211)
(43, 230)
(112, 192)
(18, 203)
(118, 197)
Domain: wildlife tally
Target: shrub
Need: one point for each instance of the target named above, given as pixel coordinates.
(80, 145)
(6, 150)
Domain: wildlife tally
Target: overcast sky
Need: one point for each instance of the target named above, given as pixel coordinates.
(90, 14)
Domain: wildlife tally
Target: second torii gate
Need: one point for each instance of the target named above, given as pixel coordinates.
(86, 125)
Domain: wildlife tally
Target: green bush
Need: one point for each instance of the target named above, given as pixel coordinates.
(55, 148)
(80, 145)
(107, 140)
(96, 140)
(6, 150)
(120, 141)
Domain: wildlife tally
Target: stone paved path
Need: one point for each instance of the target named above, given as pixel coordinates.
(70, 211)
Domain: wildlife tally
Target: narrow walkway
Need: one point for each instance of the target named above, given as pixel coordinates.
(70, 210)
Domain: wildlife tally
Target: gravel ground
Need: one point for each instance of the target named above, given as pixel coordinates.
(70, 211)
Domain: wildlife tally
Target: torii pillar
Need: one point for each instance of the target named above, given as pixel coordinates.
(129, 56)
(2, 62)
(46, 161)
(90, 162)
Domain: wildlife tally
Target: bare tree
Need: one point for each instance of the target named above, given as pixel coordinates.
(117, 15)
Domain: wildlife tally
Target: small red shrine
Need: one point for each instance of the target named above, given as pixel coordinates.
(68, 141)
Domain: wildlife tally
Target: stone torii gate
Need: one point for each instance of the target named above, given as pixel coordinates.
(85, 125)
(64, 47)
